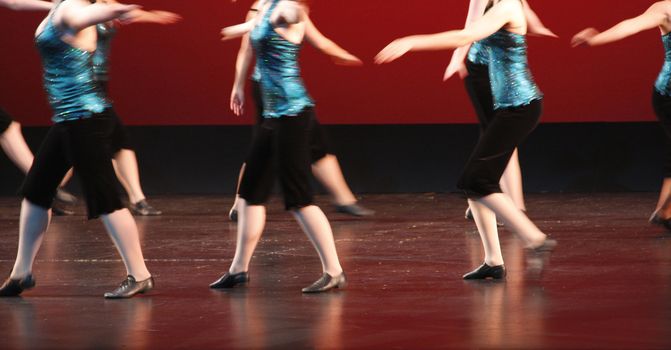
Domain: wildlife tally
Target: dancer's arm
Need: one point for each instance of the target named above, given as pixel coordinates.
(237, 31)
(534, 24)
(328, 47)
(242, 65)
(655, 16)
(496, 18)
(476, 9)
(26, 5)
(287, 13)
(79, 14)
(153, 16)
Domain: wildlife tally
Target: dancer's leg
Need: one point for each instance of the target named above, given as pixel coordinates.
(485, 220)
(251, 221)
(316, 226)
(511, 181)
(514, 219)
(33, 223)
(14, 145)
(328, 173)
(123, 231)
(129, 175)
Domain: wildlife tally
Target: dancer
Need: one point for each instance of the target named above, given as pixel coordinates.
(80, 138)
(125, 160)
(11, 138)
(276, 35)
(471, 63)
(325, 165)
(657, 16)
(517, 109)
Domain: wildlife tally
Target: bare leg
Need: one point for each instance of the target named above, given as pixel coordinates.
(485, 220)
(328, 172)
(664, 195)
(316, 226)
(14, 145)
(33, 223)
(122, 230)
(511, 181)
(251, 220)
(129, 175)
(514, 219)
(237, 189)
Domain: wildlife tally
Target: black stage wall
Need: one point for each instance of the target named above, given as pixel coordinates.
(584, 157)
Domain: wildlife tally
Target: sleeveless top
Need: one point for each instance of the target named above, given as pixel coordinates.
(280, 78)
(663, 83)
(68, 77)
(101, 55)
(478, 54)
(511, 80)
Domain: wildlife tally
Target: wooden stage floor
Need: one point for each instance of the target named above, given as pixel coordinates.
(608, 284)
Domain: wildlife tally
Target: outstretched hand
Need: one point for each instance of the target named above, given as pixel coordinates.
(584, 37)
(347, 60)
(455, 67)
(393, 51)
(166, 17)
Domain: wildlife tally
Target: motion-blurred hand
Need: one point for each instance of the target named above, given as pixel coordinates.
(584, 37)
(394, 50)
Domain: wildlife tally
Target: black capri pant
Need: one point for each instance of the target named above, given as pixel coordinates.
(280, 149)
(662, 106)
(319, 143)
(85, 145)
(506, 131)
(5, 121)
(479, 90)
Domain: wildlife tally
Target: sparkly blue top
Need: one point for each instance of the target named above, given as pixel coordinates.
(68, 77)
(256, 74)
(663, 83)
(511, 80)
(106, 33)
(277, 61)
(478, 53)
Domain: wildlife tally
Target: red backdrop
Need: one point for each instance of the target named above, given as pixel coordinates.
(181, 74)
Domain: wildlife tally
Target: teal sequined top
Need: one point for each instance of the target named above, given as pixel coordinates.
(282, 88)
(478, 53)
(101, 55)
(68, 77)
(663, 83)
(511, 80)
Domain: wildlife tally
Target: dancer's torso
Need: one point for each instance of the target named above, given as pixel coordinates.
(284, 93)
(106, 33)
(511, 81)
(68, 77)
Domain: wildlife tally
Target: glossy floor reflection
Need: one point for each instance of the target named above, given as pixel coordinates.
(608, 285)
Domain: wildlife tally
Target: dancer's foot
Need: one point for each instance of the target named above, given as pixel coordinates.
(354, 210)
(657, 219)
(233, 214)
(547, 246)
(14, 287)
(485, 271)
(327, 282)
(65, 197)
(62, 200)
(142, 208)
(230, 280)
(129, 287)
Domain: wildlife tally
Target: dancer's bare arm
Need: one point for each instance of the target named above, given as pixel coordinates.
(153, 16)
(498, 17)
(26, 5)
(656, 16)
(327, 46)
(77, 15)
(476, 9)
(242, 64)
(534, 24)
